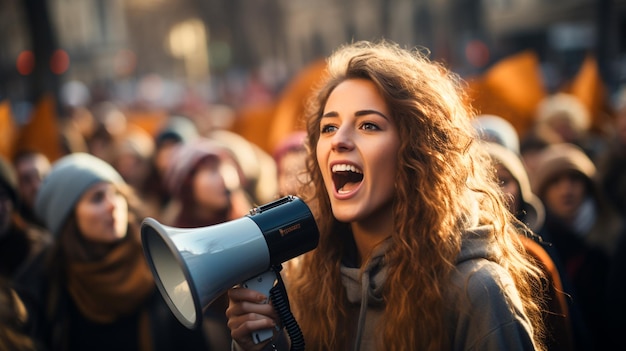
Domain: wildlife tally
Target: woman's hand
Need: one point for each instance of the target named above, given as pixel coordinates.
(247, 312)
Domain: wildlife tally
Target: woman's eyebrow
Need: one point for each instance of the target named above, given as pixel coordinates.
(369, 112)
(357, 114)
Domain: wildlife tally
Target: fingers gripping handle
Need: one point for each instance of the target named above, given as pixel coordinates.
(262, 283)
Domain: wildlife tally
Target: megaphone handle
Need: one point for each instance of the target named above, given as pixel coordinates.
(262, 283)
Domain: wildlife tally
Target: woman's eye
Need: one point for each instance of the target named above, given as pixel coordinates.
(328, 128)
(369, 126)
(98, 197)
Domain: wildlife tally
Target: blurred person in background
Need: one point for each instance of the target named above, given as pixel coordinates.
(12, 319)
(92, 289)
(582, 227)
(290, 156)
(532, 144)
(20, 241)
(616, 297)
(498, 130)
(564, 118)
(612, 163)
(176, 131)
(111, 124)
(133, 160)
(522, 202)
(31, 167)
(562, 318)
(206, 184)
(612, 179)
(258, 167)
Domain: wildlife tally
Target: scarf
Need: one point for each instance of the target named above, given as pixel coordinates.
(116, 285)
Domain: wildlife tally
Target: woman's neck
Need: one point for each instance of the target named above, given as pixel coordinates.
(368, 234)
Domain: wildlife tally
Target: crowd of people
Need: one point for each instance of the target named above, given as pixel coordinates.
(440, 228)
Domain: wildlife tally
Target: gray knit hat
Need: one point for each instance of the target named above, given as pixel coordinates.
(68, 179)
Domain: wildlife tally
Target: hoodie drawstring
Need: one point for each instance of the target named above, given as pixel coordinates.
(364, 298)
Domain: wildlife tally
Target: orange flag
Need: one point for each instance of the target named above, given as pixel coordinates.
(254, 123)
(42, 132)
(588, 86)
(511, 89)
(150, 121)
(290, 108)
(8, 130)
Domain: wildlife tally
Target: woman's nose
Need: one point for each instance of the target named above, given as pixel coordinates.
(110, 202)
(342, 140)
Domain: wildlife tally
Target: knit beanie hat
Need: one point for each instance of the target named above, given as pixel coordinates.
(497, 129)
(558, 158)
(292, 142)
(535, 211)
(178, 129)
(137, 141)
(69, 178)
(567, 106)
(186, 159)
(8, 179)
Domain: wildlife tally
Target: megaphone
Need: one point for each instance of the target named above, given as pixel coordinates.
(192, 267)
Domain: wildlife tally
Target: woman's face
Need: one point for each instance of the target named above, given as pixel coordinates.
(509, 186)
(565, 194)
(209, 187)
(357, 151)
(102, 214)
(31, 171)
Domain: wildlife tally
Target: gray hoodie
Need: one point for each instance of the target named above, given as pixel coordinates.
(484, 310)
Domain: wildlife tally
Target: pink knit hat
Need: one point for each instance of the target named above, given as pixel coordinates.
(293, 141)
(186, 158)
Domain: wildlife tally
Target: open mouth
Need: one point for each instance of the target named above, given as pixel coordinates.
(346, 177)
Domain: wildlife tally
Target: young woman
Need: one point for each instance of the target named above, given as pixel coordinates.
(561, 316)
(584, 231)
(92, 289)
(417, 250)
(207, 185)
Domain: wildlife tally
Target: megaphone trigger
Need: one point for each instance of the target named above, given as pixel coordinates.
(262, 283)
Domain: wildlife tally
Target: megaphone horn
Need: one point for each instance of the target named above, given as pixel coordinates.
(192, 267)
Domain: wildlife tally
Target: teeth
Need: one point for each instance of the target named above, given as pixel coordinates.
(346, 168)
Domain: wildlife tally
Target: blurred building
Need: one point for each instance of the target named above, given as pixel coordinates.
(106, 43)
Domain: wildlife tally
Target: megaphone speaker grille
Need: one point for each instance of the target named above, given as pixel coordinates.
(171, 278)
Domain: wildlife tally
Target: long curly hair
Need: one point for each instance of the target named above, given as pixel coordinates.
(444, 184)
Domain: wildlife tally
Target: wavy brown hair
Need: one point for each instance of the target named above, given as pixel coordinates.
(444, 185)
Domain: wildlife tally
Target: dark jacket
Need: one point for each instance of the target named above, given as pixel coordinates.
(69, 330)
